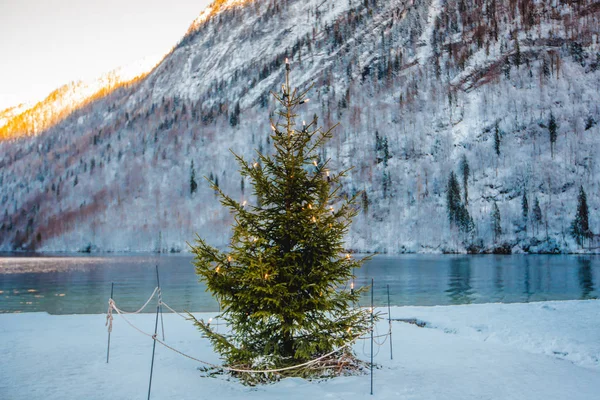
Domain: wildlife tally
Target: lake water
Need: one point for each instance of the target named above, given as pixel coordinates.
(81, 285)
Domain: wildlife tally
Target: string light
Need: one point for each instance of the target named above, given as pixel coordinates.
(314, 219)
(229, 259)
(349, 329)
(273, 128)
(209, 321)
(244, 203)
(304, 101)
(315, 163)
(310, 206)
(266, 276)
(218, 269)
(255, 165)
(332, 209)
(347, 256)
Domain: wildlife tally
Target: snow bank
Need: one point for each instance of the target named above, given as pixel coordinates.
(492, 351)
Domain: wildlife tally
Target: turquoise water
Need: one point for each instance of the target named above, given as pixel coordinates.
(81, 285)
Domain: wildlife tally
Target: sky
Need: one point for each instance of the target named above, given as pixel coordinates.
(47, 43)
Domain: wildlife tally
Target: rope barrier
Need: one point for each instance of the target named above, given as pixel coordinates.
(145, 304)
(172, 310)
(112, 305)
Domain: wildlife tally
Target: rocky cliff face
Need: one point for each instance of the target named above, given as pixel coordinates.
(418, 87)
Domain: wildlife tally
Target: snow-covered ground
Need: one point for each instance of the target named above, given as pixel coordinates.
(547, 350)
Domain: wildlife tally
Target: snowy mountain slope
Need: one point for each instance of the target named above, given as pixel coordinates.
(431, 81)
(32, 119)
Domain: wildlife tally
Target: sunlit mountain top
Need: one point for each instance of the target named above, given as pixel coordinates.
(31, 119)
(214, 8)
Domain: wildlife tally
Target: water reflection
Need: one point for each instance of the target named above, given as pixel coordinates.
(586, 279)
(459, 281)
(79, 285)
(527, 281)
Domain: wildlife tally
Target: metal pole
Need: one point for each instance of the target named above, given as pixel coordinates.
(112, 287)
(372, 322)
(390, 322)
(153, 350)
(162, 325)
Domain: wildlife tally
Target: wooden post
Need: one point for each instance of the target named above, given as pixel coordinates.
(112, 287)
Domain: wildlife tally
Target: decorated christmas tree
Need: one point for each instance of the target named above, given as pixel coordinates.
(284, 284)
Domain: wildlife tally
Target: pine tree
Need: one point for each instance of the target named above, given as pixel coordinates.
(234, 117)
(496, 222)
(465, 170)
(552, 130)
(497, 139)
(282, 284)
(386, 152)
(537, 213)
(457, 212)
(193, 184)
(525, 208)
(580, 227)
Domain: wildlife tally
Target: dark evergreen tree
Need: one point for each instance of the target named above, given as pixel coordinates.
(378, 147)
(386, 152)
(193, 184)
(537, 213)
(457, 212)
(552, 130)
(525, 208)
(234, 116)
(496, 222)
(282, 285)
(466, 171)
(497, 138)
(580, 227)
(453, 198)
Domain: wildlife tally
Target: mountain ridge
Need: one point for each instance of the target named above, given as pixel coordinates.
(428, 81)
